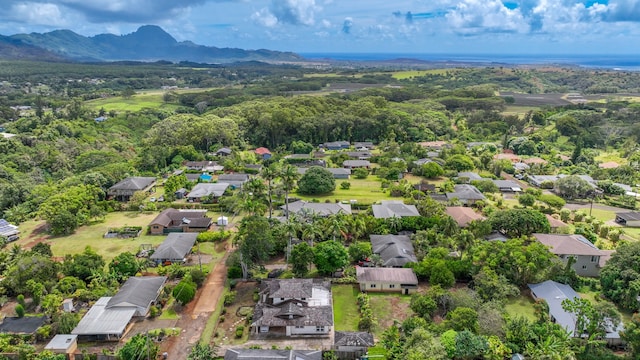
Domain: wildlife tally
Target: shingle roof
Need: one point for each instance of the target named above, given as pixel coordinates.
(465, 192)
(568, 244)
(463, 215)
(394, 275)
(393, 208)
(470, 175)
(174, 216)
(356, 338)
(629, 216)
(262, 151)
(175, 247)
(233, 177)
(320, 209)
(137, 291)
(555, 223)
(202, 190)
(134, 183)
(266, 315)
(394, 250)
(333, 171)
(502, 184)
(266, 354)
(356, 163)
(289, 288)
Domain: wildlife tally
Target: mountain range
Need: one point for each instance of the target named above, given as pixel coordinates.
(148, 43)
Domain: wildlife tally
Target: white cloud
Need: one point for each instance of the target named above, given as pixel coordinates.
(38, 14)
(478, 16)
(265, 18)
(294, 12)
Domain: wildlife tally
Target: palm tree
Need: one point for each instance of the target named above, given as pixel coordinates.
(311, 232)
(288, 176)
(269, 173)
(464, 241)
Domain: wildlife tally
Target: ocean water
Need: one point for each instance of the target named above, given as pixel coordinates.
(606, 61)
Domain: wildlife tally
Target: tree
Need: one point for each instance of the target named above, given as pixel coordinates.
(526, 200)
(441, 275)
(359, 250)
(330, 256)
(460, 162)
(138, 347)
(620, 277)
(423, 305)
(201, 352)
(469, 345)
(288, 176)
(255, 242)
(552, 201)
(124, 265)
(35, 267)
(360, 173)
(572, 187)
(70, 208)
(316, 180)
(431, 170)
(301, 147)
(423, 345)
(519, 222)
(184, 291)
(463, 318)
(43, 249)
(631, 334)
(83, 265)
(491, 286)
(301, 257)
(270, 173)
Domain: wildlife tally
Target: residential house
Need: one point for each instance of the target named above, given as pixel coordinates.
(63, 344)
(586, 255)
(203, 166)
(425, 187)
(181, 193)
(338, 173)
(393, 208)
(253, 168)
(356, 164)
(174, 220)
(463, 216)
(9, 231)
(363, 145)
(629, 218)
(422, 161)
(554, 293)
(468, 176)
(225, 151)
(336, 145)
(352, 344)
(263, 153)
(203, 190)
(360, 155)
(304, 208)
(534, 161)
(394, 250)
(402, 280)
(556, 224)
(290, 307)
(466, 194)
(539, 180)
(236, 181)
(124, 190)
(507, 156)
(520, 167)
(609, 165)
(109, 318)
(272, 354)
(434, 145)
(192, 177)
(174, 249)
(507, 185)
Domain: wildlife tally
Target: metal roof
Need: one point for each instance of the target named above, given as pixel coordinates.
(393, 208)
(61, 342)
(271, 354)
(554, 293)
(202, 190)
(137, 291)
(395, 275)
(100, 320)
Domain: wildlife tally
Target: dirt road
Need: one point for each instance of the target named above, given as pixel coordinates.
(195, 315)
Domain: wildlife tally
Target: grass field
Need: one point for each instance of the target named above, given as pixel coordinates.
(135, 103)
(388, 308)
(521, 306)
(363, 190)
(345, 308)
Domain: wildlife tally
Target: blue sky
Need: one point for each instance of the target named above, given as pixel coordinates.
(347, 26)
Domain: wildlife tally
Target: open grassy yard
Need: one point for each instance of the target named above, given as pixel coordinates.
(345, 308)
(362, 190)
(388, 308)
(521, 306)
(135, 103)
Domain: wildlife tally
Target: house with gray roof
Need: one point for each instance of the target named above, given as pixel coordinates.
(353, 343)
(338, 173)
(305, 208)
(174, 249)
(628, 218)
(507, 185)
(466, 194)
(124, 190)
(8, 231)
(402, 280)
(394, 250)
(180, 220)
(272, 354)
(356, 164)
(236, 181)
(468, 176)
(289, 307)
(360, 155)
(554, 293)
(363, 145)
(203, 165)
(203, 190)
(393, 208)
(586, 254)
(422, 161)
(109, 318)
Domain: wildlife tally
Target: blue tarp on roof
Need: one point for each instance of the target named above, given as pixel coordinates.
(206, 177)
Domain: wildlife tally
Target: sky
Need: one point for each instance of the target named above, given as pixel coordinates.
(352, 26)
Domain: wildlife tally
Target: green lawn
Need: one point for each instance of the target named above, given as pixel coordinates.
(521, 306)
(134, 103)
(365, 191)
(345, 307)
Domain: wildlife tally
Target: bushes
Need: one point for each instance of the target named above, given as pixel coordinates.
(367, 320)
(239, 331)
(229, 298)
(185, 291)
(214, 236)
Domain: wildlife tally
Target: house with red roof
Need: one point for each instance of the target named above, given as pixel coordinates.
(263, 152)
